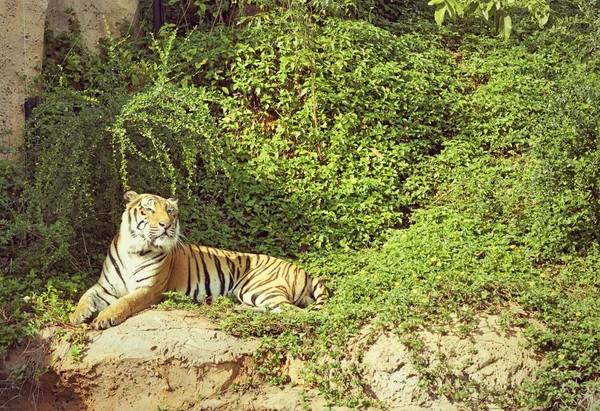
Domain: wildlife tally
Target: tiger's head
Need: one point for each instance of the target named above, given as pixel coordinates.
(150, 222)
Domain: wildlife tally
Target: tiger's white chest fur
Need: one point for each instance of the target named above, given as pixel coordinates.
(133, 264)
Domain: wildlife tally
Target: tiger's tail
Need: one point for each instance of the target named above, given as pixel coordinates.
(320, 293)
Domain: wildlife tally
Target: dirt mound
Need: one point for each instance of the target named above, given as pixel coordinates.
(490, 358)
(177, 359)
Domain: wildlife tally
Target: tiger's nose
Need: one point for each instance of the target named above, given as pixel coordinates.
(165, 224)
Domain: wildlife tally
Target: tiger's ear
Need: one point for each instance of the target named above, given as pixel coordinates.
(130, 196)
(173, 201)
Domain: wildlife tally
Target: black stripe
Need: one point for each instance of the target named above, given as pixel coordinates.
(106, 291)
(135, 219)
(197, 273)
(141, 287)
(189, 284)
(267, 280)
(194, 254)
(254, 297)
(238, 271)
(248, 281)
(323, 293)
(100, 297)
(154, 285)
(115, 244)
(159, 258)
(170, 270)
(276, 264)
(221, 276)
(117, 269)
(206, 277)
(232, 273)
(138, 222)
(257, 285)
(105, 277)
(230, 265)
(268, 296)
(272, 296)
(305, 288)
(242, 277)
(291, 278)
(145, 278)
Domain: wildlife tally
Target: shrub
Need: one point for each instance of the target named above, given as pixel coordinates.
(322, 124)
(286, 135)
(565, 183)
(73, 187)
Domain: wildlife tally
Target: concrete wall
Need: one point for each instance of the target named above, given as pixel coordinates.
(22, 47)
(21, 53)
(91, 15)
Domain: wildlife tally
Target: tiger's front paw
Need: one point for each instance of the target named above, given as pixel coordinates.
(82, 313)
(109, 317)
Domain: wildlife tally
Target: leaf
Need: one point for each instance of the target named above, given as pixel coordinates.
(376, 152)
(455, 8)
(451, 9)
(199, 64)
(439, 15)
(486, 10)
(543, 19)
(506, 27)
(471, 7)
(497, 21)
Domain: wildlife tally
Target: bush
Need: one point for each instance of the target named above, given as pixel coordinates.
(12, 182)
(73, 193)
(566, 180)
(286, 135)
(323, 124)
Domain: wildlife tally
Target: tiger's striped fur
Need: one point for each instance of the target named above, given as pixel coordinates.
(146, 258)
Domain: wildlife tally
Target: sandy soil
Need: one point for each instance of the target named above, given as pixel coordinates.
(179, 360)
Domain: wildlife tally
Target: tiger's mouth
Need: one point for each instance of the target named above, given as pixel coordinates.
(163, 241)
(164, 236)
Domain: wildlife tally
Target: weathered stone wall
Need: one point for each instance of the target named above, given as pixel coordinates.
(21, 53)
(94, 16)
(22, 45)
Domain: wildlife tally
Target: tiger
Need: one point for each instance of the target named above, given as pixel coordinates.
(147, 257)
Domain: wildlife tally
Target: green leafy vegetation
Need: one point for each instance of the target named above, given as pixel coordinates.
(426, 173)
(496, 13)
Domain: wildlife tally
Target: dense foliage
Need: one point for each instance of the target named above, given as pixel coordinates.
(496, 13)
(423, 171)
